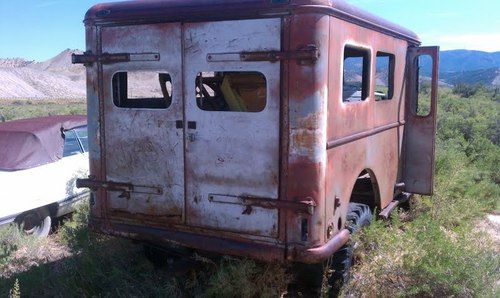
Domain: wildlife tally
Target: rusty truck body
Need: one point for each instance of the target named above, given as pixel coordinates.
(247, 127)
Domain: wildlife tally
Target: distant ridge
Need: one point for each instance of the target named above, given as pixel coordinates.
(52, 79)
(467, 66)
(57, 78)
(467, 60)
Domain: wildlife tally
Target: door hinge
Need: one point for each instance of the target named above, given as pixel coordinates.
(125, 188)
(305, 206)
(306, 55)
(88, 58)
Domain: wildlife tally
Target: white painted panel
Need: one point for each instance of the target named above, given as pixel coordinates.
(143, 146)
(40, 186)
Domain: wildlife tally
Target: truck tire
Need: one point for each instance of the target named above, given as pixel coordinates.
(358, 216)
(333, 273)
(35, 222)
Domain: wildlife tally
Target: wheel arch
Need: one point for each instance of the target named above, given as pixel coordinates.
(366, 189)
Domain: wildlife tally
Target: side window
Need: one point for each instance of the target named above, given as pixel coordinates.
(71, 144)
(231, 91)
(356, 74)
(424, 85)
(81, 133)
(384, 77)
(142, 89)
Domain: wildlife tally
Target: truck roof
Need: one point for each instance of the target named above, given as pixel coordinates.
(154, 11)
(28, 143)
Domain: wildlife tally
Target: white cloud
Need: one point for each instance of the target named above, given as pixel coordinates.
(489, 42)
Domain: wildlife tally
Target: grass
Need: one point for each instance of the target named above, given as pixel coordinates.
(19, 109)
(106, 266)
(437, 247)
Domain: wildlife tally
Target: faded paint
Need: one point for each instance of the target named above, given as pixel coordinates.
(234, 153)
(219, 181)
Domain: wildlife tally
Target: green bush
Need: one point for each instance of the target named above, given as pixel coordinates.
(436, 249)
(20, 109)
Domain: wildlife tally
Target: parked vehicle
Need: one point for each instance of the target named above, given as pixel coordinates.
(265, 132)
(40, 160)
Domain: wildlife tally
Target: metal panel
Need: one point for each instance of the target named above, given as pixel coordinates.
(420, 132)
(200, 10)
(232, 153)
(143, 146)
(362, 135)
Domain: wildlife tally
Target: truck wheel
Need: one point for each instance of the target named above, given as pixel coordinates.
(36, 222)
(333, 273)
(358, 216)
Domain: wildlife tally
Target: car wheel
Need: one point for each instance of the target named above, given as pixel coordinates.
(36, 222)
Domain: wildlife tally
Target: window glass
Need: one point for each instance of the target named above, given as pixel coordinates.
(71, 144)
(142, 89)
(82, 135)
(384, 77)
(424, 85)
(356, 74)
(231, 91)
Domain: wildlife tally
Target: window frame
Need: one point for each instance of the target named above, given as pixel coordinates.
(152, 105)
(366, 71)
(246, 71)
(390, 74)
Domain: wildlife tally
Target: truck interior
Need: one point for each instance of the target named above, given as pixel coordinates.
(231, 91)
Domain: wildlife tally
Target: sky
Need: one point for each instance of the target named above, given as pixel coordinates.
(40, 29)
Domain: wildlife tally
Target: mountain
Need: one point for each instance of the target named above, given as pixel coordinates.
(465, 60)
(58, 78)
(489, 77)
(54, 78)
(465, 66)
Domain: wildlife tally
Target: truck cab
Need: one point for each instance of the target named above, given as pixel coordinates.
(246, 128)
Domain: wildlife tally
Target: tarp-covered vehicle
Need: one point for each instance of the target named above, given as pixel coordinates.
(40, 160)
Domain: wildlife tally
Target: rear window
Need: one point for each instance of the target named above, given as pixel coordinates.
(142, 89)
(243, 91)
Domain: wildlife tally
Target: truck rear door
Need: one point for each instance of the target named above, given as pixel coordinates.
(421, 113)
(143, 112)
(232, 125)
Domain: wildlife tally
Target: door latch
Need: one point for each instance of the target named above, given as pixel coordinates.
(88, 58)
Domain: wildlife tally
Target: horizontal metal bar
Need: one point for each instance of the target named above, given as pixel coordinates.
(386, 212)
(310, 53)
(361, 135)
(118, 186)
(401, 198)
(107, 58)
(306, 206)
(192, 239)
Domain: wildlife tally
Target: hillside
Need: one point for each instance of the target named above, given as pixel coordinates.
(54, 78)
(465, 66)
(57, 78)
(490, 76)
